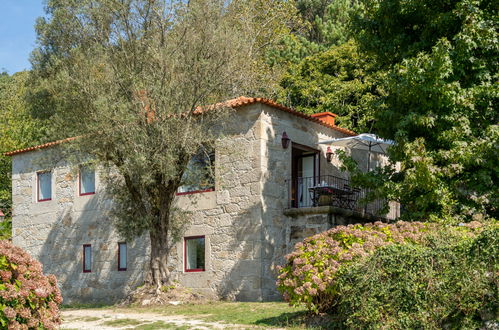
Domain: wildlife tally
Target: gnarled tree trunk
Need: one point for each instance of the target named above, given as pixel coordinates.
(158, 265)
(158, 274)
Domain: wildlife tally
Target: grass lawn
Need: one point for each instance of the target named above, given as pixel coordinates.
(276, 314)
(259, 314)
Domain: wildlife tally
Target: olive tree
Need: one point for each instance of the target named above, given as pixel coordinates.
(133, 78)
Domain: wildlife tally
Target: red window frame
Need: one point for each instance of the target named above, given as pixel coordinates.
(38, 187)
(194, 192)
(79, 185)
(194, 270)
(85, 270)
(119, 256)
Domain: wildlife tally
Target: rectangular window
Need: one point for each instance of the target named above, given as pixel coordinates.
(87, 181)
(194, 254)
(122, 256)
(44, 182)
(199, 175)
(87, 258)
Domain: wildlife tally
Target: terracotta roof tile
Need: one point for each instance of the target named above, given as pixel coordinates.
(234, 103)
(41, 146)
(243, 100)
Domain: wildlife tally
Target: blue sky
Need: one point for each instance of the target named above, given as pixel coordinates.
(17, 33)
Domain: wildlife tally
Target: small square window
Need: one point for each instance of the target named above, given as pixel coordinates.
(87, 181)
(122, 256)
(194, 254)
(87, 258)
(44, 182)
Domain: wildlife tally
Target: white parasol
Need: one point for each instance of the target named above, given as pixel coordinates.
(364, 141)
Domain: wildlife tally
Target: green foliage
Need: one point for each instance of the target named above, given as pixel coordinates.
(329, 20)
(440, 104)
(5, 229)
(320, 25)
(338, 80)
(450, 282)
(321, 67)
(18, 129)
(310, 275)
(28, 299)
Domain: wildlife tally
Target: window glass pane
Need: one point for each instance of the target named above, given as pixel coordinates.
(44, 185)
(87, 262)
(199, 174)
(195, 253)
(87, 180)
(122, 256)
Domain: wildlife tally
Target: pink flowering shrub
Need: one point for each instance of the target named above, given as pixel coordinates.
(28, 299)
(309, 275)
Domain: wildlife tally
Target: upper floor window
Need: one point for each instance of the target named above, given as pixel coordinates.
(87, 180)
(44, 183)
(194, 256)
(200, 173)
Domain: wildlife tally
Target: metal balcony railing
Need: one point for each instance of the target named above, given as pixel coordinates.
(328, 190)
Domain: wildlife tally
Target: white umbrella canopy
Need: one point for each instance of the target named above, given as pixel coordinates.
(364, 141)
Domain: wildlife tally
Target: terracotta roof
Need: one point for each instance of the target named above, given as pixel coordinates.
(41, 146)
(234, 103)
(242, 101)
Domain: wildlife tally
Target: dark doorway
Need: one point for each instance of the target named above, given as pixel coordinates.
(305, 171)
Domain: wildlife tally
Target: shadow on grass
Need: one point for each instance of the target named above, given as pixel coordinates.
(301, 319)
(85, 306)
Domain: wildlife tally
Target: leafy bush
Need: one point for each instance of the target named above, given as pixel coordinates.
(6, 229)
(28, 299)
(446, 283)
(309, 277)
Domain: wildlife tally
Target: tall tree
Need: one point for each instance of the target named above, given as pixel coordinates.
(323, 69)
(322, 24)
(340, 80)
(329, 20)
(18, 129)
(441, 103)
(134, 73)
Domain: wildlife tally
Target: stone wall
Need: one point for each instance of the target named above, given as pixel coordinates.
(229, 217)
(54, 231)
(276, 173)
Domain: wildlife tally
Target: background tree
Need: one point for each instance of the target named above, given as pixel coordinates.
(441, 103)
(321, 67)
(339, 80)
(129, 77)
(18, 129)
(321, 24)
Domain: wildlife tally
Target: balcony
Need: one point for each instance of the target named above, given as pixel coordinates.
(336, 195)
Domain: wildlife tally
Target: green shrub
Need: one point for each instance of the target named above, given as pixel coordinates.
(28, 299)
(448, 282)
(309, 277)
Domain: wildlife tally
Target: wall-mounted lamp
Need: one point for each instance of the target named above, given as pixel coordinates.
(329, 154)
(285, 140)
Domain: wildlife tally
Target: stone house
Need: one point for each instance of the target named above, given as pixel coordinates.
(267, 169)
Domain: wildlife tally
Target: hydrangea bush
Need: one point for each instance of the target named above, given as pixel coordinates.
(309, 275)
(28, 299)
(447, 283)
